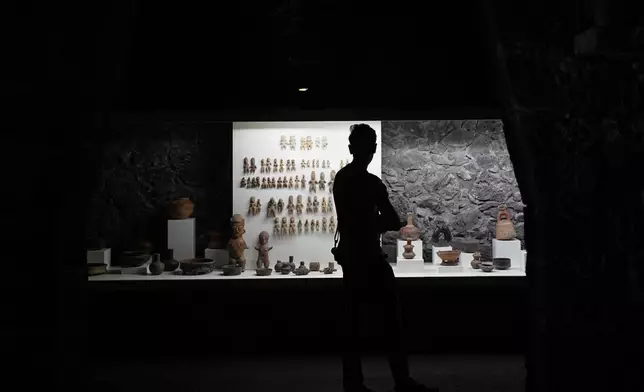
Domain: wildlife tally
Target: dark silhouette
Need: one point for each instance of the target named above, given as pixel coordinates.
(364, 212)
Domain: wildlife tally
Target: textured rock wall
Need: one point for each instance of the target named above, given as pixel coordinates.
(452, 173)
(148, 163)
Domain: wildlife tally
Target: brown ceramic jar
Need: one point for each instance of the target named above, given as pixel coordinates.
(409, 232)
(182, 208)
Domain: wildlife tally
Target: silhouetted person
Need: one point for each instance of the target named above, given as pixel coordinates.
(364, 213)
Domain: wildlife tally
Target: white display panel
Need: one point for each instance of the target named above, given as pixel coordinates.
(261, 140)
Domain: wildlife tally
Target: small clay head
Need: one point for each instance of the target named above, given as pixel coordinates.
(252, 161)
(263, 238)
(237, 223)
(322, 176)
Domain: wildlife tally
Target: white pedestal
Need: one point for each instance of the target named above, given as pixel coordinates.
(525, 259)
(416, 265)
(418, 248)
(510, 249)
(103, 256)
(181, 238)
(466, 259)
(220, 256)
(450, 269)
(435, 249)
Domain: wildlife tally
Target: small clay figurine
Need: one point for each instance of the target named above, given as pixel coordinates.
(309, 205)
(243, 182)
(249, 182)
(280, 206)
(281, 183)
(291, 226)
(308, 163)
(331, 181)
(323, 164)
(273, 184)
(306, 226)
(316, 204)
(299, 226)
(246, 167)
(262, 165)
(312, 182)
(325, 142)
(284, 227)
(303, 182)
(288, 165)
(291, 142)
(290, 182)
(317, 142)
(262, 251)
(309, 143)
(303, 164)
(276, 226)
(332, 225)
(264, 186)
(236, 244)
(324, 224)
(317, 164)
(257, 182)
(283, 142)
(323, 205)
(252, 167)
(271, 208)
(329, 206)
(328, 164)
(251, 207)
(281, 166)
(322, 182)
(293, 164)
(258, 207)
(299, 206)
(317, 225)
(290, 206)
(297, 182)
(275, 165)
(302, 143)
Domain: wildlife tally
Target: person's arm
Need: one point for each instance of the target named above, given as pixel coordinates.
(388, 220)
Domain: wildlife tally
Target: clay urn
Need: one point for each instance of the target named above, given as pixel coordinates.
(182, 208)
(504, 227)
(409, 232)
(156, 267)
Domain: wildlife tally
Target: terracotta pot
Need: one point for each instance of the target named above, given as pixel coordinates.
(314, 265)
(197, 266)
(278, 266)
(502, 263)
(476, 261)
(409, 250)
(504, 227)
(409, 232)
(156, 267)
(263, 271)
(182, 208)
(449, 257)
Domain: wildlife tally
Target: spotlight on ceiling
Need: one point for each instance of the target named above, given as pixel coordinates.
(302, 89)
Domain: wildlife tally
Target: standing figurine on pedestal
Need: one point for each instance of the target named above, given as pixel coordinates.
(262, 251)
(281, 166)
(262, 166)
(236, 244)
(504, 227)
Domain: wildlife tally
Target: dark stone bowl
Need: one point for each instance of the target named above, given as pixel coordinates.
(285, 271)
(197, 266)
(502, 263)
(264, 271)
(170, 265)
(231, 270)
(487, 266)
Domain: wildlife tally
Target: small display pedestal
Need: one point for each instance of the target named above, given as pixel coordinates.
(510, 249)
(415, 265)
(450, 269)
(102, 256)
(181, 238)
(435, 249)
(466, 259)
(220, 256)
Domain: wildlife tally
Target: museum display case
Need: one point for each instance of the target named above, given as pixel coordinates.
(452, 182)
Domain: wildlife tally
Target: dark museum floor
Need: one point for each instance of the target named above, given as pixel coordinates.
(450, 373)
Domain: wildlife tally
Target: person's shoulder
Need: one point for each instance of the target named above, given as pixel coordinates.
(375, 179)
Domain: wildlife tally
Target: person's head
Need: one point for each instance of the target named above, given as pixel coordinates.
(362, 143)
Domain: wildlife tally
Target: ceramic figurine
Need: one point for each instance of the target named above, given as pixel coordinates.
(306, 226)
(504, 227)
(322, 182)
(297, 182)
(290, 182)
(281, 166)
(317, 225)
(290, 206)
(291, 226)
(288, 165)
(262, 165)
(324, 224)
(328, 164)
(330, 204)
(275, 165)
(299, 206)
(291, 142)
(258, 207)
(264, 184)
(246, 167)
(325, 142)
(309, 205)
(317, 142)
(276, 226)
(476, 261)
(303, 182)
(262, 250)
(301, 270)
(316, 204)
(314, 266)
(271, 208)
(317, 164)
(293, 164)
(252, 167)
(332, 175)
(243, 183)
(236, 244)
(257, 182)
(323, 205)
(330, 269)
(284, 226)
(181, 208)
(156, 267)
(279, 182)
(332, 224)
(312, 182)
(278, 266)
(302, 143)
(280, 206)
(273, 183)
(251, 207)
(309, 143)
(283, 142)
(299, 226)
(303, 164)
(323, 164)
(308, 163)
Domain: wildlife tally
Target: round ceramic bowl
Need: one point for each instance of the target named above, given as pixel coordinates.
(502, 263)
(197, 266)
(449, 257)
(487, 266)
(264, 271)
(301, 272)
(96, 269)
(231, 270)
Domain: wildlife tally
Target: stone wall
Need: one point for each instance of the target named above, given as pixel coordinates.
(452, 173)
